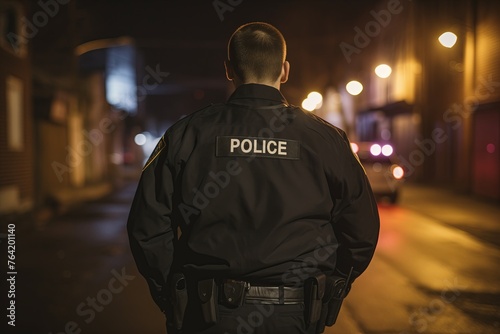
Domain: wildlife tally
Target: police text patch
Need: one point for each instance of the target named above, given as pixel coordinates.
(236, 146)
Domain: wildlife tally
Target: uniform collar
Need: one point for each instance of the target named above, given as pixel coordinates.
(257, 95)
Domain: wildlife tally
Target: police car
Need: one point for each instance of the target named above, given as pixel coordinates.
(383, 171)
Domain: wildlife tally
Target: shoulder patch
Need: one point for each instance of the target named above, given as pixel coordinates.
(156, 152)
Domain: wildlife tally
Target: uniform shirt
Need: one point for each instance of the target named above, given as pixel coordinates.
(255, 190)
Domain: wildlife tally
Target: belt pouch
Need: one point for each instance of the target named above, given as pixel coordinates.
(207, 294)
(314, 289)
(232, 293)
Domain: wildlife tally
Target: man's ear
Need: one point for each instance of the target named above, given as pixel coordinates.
(285, 71)
(229, 70)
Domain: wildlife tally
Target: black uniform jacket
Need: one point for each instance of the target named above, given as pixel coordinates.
(253, 189)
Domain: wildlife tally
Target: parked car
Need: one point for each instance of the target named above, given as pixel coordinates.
(383, 171)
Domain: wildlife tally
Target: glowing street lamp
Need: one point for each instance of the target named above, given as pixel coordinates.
(308, 105)
(140, 139)
(316, 98)
(313, 101)
(383, 71)
(354, 87)
(448, 39)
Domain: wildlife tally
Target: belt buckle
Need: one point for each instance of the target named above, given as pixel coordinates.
(233, 292)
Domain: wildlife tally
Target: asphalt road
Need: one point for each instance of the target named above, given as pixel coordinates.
(435, 271)
(429, 275)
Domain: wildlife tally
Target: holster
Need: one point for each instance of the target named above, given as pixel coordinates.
(179, 295)
(335, 302)
(335, 292)
(198, 298)
(314, 290)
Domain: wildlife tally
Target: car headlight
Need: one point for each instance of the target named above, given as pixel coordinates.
(387, 150)
(397, 172)
(375, 150)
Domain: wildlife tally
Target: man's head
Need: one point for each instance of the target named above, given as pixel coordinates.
(256, 54)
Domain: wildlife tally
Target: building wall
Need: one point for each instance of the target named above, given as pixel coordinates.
(16, 125)
(98, 128)
(486, 167)
(461, 94)
(74, 131)
(55, 163)
(485, 98)
(487, 26)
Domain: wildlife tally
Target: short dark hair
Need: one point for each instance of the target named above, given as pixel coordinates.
(257, 50)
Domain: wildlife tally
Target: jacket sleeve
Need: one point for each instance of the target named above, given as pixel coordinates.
(355, 217)
(149, 224)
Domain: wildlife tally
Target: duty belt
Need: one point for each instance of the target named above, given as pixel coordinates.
(322, 298)
(234, 293)
(275, 295)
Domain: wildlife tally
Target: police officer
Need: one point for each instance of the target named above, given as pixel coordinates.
(245, 209)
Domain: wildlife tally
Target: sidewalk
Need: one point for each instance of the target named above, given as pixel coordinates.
(69, 199)
(476, 216)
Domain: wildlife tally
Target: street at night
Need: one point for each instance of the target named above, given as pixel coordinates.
(435, 271)
(252, 129)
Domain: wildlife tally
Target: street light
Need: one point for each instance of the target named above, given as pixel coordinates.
(140, 139)
(313, 101)
(316, 98)
(354, 87)
(308, 105)
(447, 39)
(383, 71)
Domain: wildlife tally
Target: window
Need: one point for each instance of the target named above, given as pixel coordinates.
(15, 113)
(11, 35)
